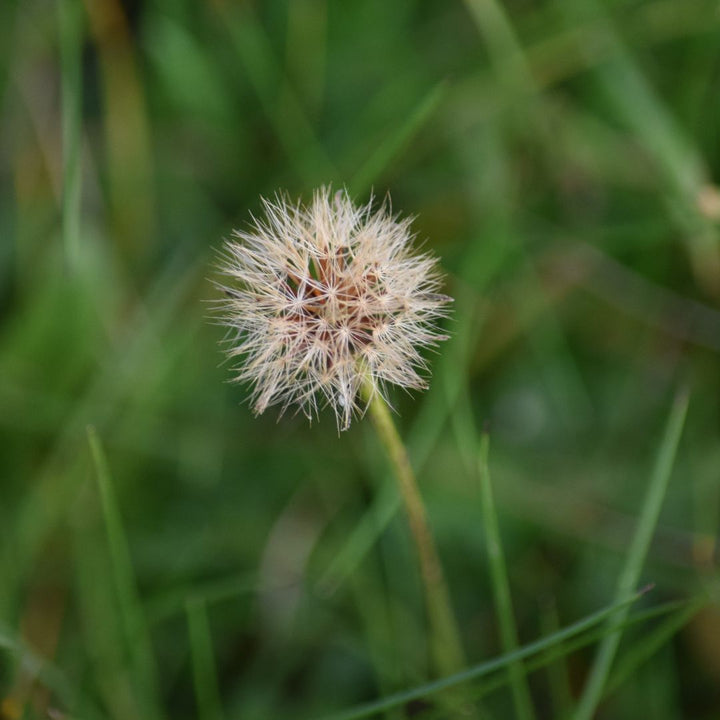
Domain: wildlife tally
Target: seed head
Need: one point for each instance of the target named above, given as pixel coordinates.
(324, 298)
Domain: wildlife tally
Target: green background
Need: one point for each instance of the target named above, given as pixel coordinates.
(559, 158)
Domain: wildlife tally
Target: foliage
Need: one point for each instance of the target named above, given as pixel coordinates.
(184, 559)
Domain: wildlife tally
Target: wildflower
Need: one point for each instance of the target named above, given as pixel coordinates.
(325, 298)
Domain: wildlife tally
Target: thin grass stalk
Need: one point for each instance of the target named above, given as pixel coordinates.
(445, 638)
(557, 672)
(635, 558)
(70, 21)
(396, 141)
(131, 610)
(652, 642)
(205, 677)
(501, 587)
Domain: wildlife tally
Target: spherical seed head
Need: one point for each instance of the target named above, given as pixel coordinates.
(324, 298)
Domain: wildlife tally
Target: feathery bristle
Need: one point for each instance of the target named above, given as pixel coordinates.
(323, 297)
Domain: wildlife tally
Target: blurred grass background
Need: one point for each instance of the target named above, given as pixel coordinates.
(183, 559)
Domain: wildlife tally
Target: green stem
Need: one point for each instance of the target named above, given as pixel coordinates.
(446, 645)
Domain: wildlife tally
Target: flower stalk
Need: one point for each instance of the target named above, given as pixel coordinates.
(445, 639)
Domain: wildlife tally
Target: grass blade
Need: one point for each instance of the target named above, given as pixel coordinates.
(203, 662)
(133, 620)
(394, 143)
(501, 587)
(564, 648)
(506, 53)
(557, 671)
(291, 124)
(71, 40)
(489, 666)
(662, 136)
(652, 643)
(635, 557)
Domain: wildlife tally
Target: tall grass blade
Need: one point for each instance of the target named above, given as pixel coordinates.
(71, 26)
(133, 619)
(203, 663)
(558, 676)
(501, 587)
(635, 557)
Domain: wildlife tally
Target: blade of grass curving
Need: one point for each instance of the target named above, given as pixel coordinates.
(396, 141)
(652, 642)
(489, 666)
(564, 648)
(637, 552)
(70, 21)
(133, 620)
(203, 663)
(501, 586)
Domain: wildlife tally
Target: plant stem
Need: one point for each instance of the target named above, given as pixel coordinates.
(445, 639)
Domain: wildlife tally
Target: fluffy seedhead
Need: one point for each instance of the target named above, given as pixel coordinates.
(324, 298)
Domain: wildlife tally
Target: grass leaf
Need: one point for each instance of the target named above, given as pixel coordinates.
(203, 662)
(501, 586)
(133, 617)
(485, 668)
(635, 558)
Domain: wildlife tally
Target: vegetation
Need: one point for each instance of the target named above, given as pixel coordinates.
(165, 554)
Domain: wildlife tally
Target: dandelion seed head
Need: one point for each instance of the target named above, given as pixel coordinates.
(324, 298)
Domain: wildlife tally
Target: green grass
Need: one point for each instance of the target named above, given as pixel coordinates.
(183, 559)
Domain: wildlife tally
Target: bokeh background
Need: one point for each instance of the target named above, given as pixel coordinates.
(560, 158)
